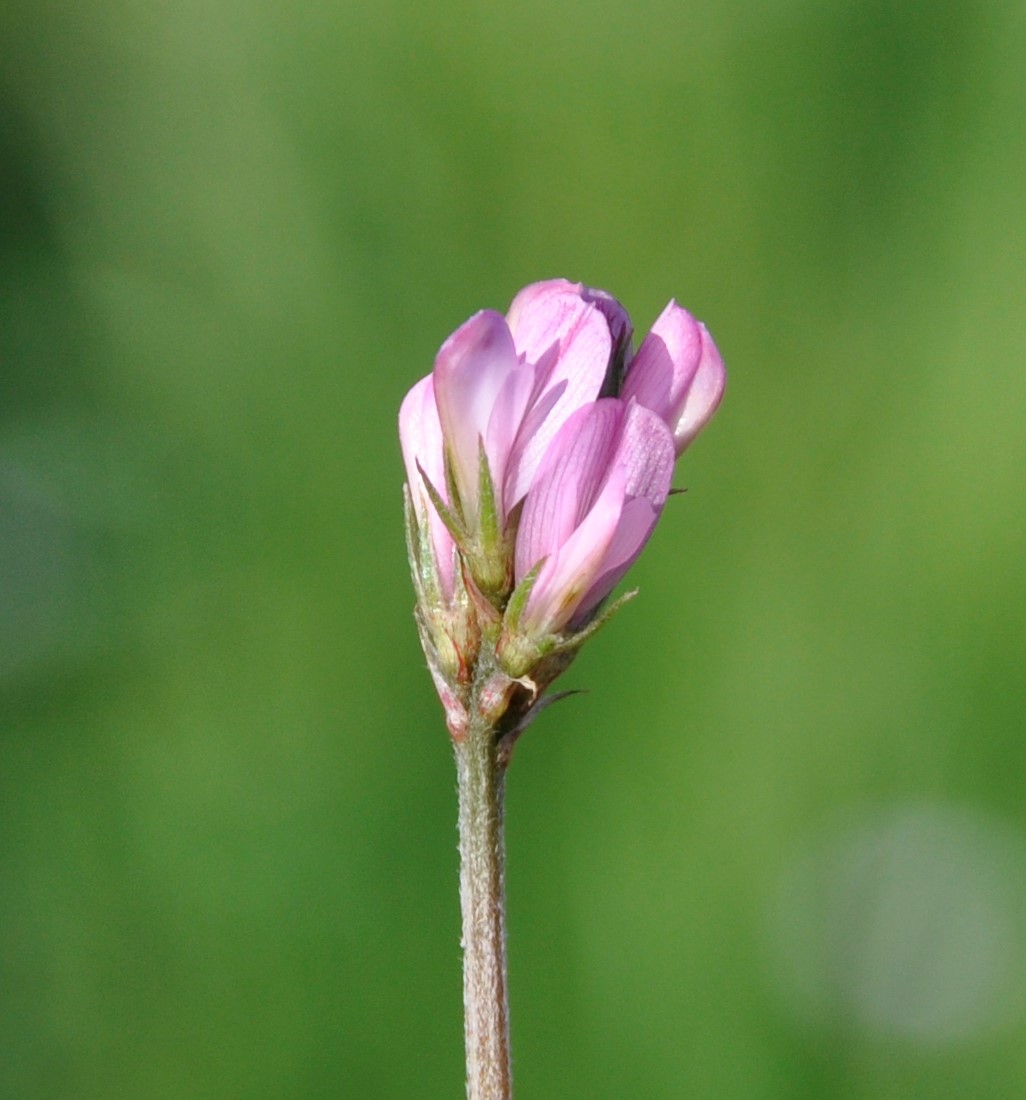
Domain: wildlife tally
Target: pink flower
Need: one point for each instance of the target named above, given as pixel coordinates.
(677, 373)
(539, 454)
(590, 510)
(538, 459)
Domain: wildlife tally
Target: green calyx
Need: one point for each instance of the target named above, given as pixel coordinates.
(541, 657)
(484, 543)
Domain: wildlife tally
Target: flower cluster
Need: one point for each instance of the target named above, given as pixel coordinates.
(538, 456)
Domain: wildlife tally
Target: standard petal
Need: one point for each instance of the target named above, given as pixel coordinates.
(567, 337)
(540, 313)
(645, 449)
(570, 571)
(547, 314)
(663, 368)
(597, 497)
(704, 393)
(472, 370)
(646, 455)
(569, 480)
(420, 435)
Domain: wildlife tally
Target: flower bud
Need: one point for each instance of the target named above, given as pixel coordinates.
(538, 459)
(678, 374)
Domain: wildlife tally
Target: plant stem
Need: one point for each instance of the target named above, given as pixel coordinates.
(482, 899)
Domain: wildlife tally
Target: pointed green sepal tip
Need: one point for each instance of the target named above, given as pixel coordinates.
(488, 552)
(572, 642)
(518, 652)
(452, 488)
(450, 517)
(521, 594)
(419, 552)
(412, 530)
(491, 535)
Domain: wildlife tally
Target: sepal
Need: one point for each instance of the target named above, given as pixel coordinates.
(451, 517)
(541, 658)
(489, 550)
(449, 630)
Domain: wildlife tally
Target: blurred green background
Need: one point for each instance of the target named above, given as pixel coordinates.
(777, 849)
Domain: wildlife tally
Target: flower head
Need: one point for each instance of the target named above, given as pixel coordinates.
(538, 459)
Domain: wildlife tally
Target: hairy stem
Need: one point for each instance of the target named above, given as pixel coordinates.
(482, 898)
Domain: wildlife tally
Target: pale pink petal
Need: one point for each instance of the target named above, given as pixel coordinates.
(647, 456)
(420, 435)
(665, 364)
(646, 450)
(555, 317)
(471, 372)
(567, 337)
(523, 467)
(637, 520)
(504, 425)
(540, 313)
(570, 570)
(570, 478)
(704, 393)
(598, 494)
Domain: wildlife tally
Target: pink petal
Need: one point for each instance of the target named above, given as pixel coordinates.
(567, 337)
(570, 570)
(704, 393)
(504, 426)
(571, 476)
(540, 314)
(637, 520)
(666, 362)
(646, 454)
(472, 379)
(646, 450)
(420, 435)
(590, 511)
